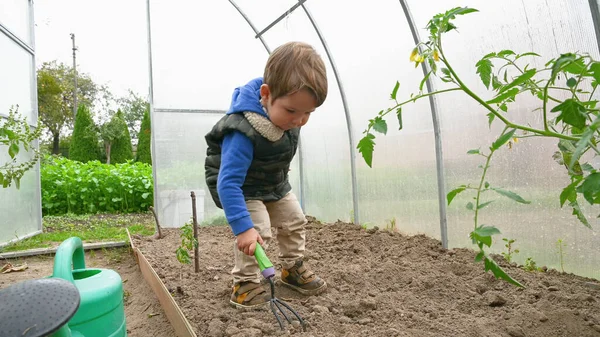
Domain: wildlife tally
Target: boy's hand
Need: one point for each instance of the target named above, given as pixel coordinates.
(246, 241)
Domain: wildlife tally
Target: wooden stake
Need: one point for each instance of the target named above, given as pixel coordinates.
(196, 259)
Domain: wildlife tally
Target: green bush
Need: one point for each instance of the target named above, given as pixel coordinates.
(84, 142)
(144, 138)
(72, 187)
(121, 150)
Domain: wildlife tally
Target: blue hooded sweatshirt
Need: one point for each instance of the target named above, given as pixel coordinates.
(237, 152)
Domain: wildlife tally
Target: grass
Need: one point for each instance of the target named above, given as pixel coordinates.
(89, 228)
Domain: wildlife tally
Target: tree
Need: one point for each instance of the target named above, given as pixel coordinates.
(120, 149)
(144, 137)
(133, 107)
(84, 142)
(55, 97)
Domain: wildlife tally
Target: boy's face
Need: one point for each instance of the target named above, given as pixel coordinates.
(291, 111)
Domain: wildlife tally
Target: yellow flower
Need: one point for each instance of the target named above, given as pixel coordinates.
(420, 59)
(436, 55)
(515, 139)
(414, 54)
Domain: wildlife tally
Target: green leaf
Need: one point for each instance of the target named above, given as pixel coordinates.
(474, 151)
(491, 117)
(446, 72)
(380, 125)
(483, 234)
(595, 68)
(563, 60)
(590, 188)
(13, 150)
(571, 82)
(487, 185)
(579, 214)
(484, 204)
(569, 193)
(366, 146)
(469, 206)
(399, 115)
(9, 134)
(504, 107)
(572, 113)
(526, 76)
(587, 167)
(498, 272)
(576, 67)
(505, 53)
(454, 192)
(484, 69)
(503, 139)
(504, 95)
(496, 84)
(479, 256)
(582, 144)
(145, 195)
(487, 56)
(511, 195)
(395, 91)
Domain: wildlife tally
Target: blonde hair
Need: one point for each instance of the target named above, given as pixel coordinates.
(294, 66)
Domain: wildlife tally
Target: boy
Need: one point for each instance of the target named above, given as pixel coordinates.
(247, 163)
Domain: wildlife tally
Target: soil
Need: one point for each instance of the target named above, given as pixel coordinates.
(143, 313)
(380, 283)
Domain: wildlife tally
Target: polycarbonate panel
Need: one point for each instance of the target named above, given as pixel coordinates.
(548, 28)
(201, 51)
(326, 157)
(20, 208)
(179, 164)
(371, 55)
(16, 79)
(14, 15)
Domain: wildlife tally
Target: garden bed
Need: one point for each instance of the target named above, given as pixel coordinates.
(381, 283)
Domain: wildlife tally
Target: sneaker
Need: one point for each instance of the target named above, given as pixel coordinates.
(249, 295)
(302, 279)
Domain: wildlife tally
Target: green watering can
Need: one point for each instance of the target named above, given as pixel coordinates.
(101, 312)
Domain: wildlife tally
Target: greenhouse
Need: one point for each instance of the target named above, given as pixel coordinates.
(466, 128)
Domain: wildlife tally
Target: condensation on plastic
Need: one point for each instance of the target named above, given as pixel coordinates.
(16, 80)
(325, 153)
(14, 15)
(548, 28)
(205, 43)
(20, 208)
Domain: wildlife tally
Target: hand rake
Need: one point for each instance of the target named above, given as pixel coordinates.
(268, 272)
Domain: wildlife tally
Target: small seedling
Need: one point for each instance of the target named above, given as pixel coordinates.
(508, 255)
(187, 243)
(561, 253)
(391, 225)
(530, 265)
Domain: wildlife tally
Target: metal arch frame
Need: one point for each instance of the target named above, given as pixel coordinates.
(347, 114)
(259, 35)
(151, 103)
(595, 11)
(439, 157)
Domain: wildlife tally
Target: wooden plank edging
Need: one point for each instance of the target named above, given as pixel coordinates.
(44, 251)
(174, 314)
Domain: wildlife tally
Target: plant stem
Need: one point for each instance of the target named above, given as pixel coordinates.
(485, 168)
(545, 133)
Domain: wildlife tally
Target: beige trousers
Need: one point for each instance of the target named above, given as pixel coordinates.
(288, 219)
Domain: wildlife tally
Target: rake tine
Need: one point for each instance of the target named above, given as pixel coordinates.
(276, 301)
(275, 313)
(293, 312)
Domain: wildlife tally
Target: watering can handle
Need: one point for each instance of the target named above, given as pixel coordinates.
(69, 252)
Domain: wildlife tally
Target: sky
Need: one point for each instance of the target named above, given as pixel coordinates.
(111, 38)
